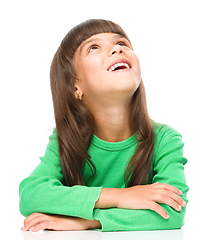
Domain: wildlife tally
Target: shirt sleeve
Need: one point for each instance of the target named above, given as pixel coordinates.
(168, 167)
(44, 192)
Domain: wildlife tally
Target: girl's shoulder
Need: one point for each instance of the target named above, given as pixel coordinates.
(167, 142)
(53, 141)
(53, 136)
(161, 129)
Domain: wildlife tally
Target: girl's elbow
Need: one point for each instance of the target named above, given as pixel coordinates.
(176, 220)
(24, 204)
(24, 199)
(23, 207)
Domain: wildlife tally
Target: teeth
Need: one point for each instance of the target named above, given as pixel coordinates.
(112, 68)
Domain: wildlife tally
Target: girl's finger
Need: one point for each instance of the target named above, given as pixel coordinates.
(172, 189)
(157, 208)
(176, 198)
(155, 183)
(38, 219)
(32, 216)
(41, 226)
(169, 201)
(169, 187)
(169, 198)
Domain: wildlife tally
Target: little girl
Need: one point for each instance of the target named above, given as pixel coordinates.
(107, 166)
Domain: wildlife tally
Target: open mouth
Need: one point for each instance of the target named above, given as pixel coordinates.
(119, 66)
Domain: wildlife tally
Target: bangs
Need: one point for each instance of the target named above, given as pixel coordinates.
(95, 26)
(77, 35)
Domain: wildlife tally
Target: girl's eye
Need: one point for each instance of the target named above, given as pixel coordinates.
(122, 44)
(92, 48)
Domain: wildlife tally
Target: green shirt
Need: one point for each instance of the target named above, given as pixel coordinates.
(44, 192)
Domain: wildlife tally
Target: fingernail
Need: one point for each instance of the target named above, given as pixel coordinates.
(167, 216)
(183, 203)
(179, 207)
(22, 228)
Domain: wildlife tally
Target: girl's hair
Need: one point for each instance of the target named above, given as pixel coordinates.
(74, 123)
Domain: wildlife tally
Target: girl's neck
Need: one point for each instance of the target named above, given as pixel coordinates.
(112, 123)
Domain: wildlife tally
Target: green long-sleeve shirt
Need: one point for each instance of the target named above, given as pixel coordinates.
(44, 192)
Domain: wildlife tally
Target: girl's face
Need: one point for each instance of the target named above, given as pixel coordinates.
(107, 67)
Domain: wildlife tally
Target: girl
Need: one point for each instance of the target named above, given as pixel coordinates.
(107, 166)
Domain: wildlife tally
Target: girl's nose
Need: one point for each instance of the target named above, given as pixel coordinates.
(117, 49)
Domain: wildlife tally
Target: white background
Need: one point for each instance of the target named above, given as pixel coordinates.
(169, 38)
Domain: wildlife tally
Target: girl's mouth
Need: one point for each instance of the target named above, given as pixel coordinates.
(121, 64)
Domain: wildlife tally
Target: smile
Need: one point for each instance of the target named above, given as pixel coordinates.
(121, 64)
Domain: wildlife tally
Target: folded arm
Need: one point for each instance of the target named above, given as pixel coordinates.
(168, 168)
(44, 192)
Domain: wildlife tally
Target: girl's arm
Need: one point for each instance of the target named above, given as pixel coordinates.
(40, 221)
(168, 167)
(142, 197)
(43, 191)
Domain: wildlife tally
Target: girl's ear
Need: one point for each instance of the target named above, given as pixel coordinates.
(78, 92)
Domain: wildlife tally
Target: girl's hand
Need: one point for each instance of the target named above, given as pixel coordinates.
(148, 197)
(40, 221)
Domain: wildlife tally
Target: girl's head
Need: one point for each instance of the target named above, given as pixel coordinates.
(107, 71)
(88, 55)
(94, 65)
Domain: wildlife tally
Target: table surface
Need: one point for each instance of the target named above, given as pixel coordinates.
(95, 235)
(179, 234)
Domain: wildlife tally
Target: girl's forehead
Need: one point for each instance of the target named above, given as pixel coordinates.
(104, 36)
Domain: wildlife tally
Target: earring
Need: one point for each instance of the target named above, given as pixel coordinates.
(79, 96)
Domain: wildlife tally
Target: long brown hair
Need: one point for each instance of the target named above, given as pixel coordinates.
(74, 123)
